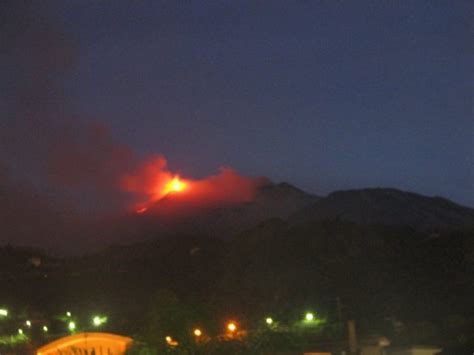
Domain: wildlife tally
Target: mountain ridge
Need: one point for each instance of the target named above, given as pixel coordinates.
(387, 206)
(383, 206)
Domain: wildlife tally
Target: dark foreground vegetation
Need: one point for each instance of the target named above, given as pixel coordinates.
(410, 286)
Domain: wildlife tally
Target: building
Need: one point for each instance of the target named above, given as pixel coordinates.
(87, 343)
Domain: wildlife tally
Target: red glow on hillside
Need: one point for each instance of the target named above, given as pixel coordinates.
(141, 210)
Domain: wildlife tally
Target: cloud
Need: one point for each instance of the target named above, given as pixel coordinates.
(90, 157)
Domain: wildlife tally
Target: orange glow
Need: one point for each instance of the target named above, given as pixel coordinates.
(197, 332)
(171, 342)
(118, 344)
(231, 327)
(174, 185)
(152, 182)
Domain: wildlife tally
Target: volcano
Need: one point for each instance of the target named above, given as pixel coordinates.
(174, 214)
(379, 206)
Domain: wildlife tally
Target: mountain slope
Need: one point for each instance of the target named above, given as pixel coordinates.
(271, 201)
(386, 206)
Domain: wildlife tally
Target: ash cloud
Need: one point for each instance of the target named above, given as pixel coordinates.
(56, 171)
(41, 141)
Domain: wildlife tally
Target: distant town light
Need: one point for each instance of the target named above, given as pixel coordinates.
(3, 312)
(197, 332)
(45, 329)
(28, 323)
(170, 341)
(232, 327)
(269, 320)
(68, 314)
(20, 331)
(71, 326)
(309, 316)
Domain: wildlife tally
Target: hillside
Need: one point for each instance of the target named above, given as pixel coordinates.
(386, 207)
(271, 201)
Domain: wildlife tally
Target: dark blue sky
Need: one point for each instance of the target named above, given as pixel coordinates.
(323, 94)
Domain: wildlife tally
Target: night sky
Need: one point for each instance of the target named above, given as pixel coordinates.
(326, 95)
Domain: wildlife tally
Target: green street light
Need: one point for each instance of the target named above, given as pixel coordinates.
(269, 320)
(20, 331)
(71, 326)
(68, 314)
(3, 312)
(28, 323)
(309, 316)
(97, 321)
(45, 329)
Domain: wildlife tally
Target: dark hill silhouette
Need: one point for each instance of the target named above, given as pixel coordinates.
(379, 206)
(385, 206)
(271, 201)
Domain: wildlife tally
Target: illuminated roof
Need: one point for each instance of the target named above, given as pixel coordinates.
(84, 338)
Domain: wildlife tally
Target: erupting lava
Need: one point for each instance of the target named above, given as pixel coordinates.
(153, 182)
(175, 185)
